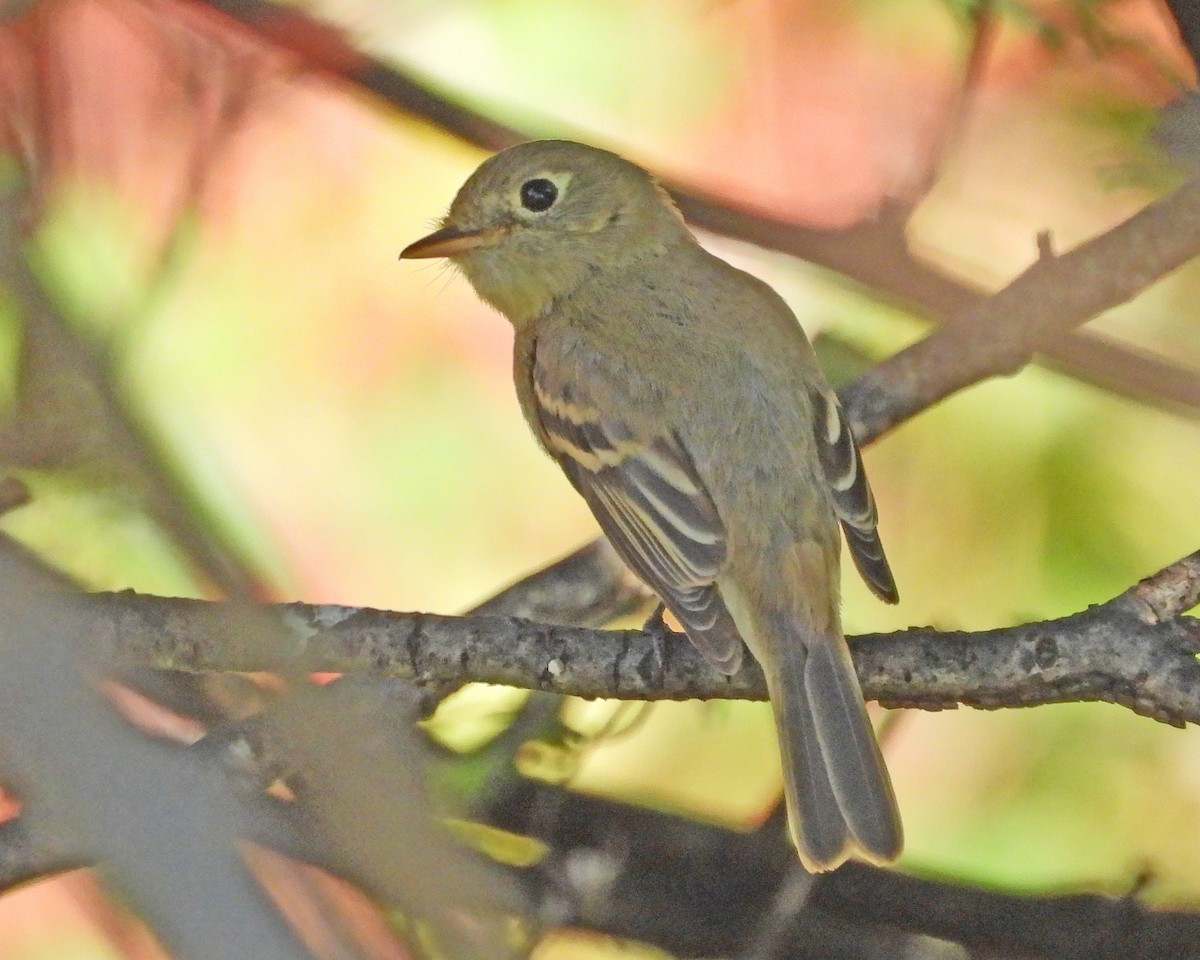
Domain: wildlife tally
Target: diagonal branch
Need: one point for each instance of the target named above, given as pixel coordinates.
(999, 335)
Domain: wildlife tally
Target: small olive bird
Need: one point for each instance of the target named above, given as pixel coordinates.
(684, 403)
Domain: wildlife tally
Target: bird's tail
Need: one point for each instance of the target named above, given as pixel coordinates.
(839, 796)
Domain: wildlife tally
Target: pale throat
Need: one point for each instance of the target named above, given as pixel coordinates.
(523, 291)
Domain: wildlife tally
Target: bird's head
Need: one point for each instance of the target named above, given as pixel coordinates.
(534, 221)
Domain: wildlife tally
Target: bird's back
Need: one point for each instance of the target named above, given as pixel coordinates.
(705, 319)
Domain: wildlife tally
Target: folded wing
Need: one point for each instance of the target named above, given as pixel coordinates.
(852, 498)
(650, 502)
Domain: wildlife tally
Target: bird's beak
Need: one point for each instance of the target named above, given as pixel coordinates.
(450, 242)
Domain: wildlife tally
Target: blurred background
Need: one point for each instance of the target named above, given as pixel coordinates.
(225, 222)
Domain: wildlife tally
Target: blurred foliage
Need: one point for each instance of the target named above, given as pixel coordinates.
(591, 64)
(78, 946)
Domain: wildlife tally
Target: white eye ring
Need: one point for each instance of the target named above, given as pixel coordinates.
(539, 193)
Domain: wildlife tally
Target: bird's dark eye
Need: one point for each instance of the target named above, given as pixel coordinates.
(538, 195)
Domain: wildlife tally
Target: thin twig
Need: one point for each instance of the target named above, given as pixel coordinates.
(1171, 591)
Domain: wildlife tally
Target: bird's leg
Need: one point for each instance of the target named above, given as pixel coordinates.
(658, 631)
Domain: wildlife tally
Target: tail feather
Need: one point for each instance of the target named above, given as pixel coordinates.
(839, 797)
(815, 819)
(853, 762)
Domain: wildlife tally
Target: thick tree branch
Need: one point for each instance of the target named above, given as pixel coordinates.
(1122, 652)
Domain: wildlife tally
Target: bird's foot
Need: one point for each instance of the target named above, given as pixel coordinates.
(658, 631)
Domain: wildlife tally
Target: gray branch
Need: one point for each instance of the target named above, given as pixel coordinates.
(1134, 650)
